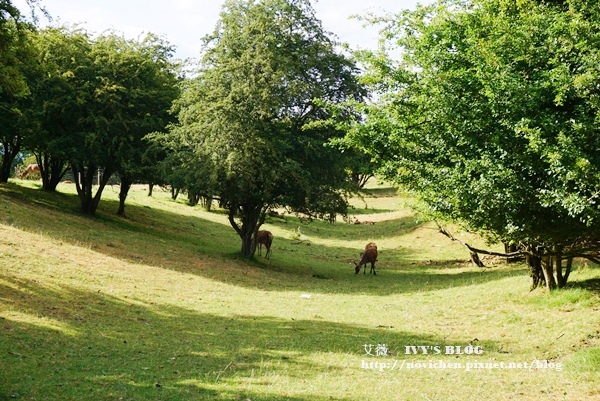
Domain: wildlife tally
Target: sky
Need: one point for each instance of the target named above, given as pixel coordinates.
(184, 22)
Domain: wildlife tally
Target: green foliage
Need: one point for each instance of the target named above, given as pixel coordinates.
(60, 86)
(94, 100)
(16, 58)
(490, 117)
(246, 130)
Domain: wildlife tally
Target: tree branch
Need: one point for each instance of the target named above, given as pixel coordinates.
(231, 216)
(592, 259)
(476, 251)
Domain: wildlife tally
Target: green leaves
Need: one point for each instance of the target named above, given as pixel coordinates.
(16, 59)
(489, 116)
(94, 100)
(250, 121)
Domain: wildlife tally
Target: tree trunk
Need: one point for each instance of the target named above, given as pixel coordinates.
(511, 248)
(193, 198)
(567, 270)
(535, 271)
(207, 202)
(562, 276)
(150, 188)
(475, 259)
(248, 244)
(559, 278)
(126, 183)
(52, 170)
(11, 150)
(84, 180)
(360, 179)
(251, 218)
(547, 269)
(174, 192)
(5, 168)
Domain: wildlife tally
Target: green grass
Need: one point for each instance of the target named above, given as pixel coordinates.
(159, 306)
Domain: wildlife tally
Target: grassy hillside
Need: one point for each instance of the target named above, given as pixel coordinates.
(158, 306)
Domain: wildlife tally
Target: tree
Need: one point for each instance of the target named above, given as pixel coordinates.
(362, 172)
(490, 118)
(126, 90)
(250, 120)
(151, 89)
(60, 89)
(15, 57)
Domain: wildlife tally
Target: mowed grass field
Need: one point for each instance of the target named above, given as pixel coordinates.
(158, 306)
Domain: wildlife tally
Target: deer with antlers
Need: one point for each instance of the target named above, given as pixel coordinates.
(368, 256)
(265, 238)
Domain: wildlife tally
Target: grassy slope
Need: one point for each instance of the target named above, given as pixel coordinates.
(158, 306)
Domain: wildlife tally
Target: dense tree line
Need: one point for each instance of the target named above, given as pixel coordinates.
(489, 115)
(249, 129)
(82, 103)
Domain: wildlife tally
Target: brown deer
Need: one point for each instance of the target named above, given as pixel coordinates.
(368, 256)
(31, 169)
(264, 238)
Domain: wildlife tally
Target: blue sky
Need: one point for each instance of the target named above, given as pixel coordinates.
(184, 22)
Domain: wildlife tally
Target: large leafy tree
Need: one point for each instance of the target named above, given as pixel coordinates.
(60, 90)
(249, 122)
(491, 117)
(151, 87)
(15, 57)
(128, 88)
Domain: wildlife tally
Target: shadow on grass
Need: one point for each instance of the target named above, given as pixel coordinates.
(68, 344)
(592, 285)
(382, 192)
(197, 246)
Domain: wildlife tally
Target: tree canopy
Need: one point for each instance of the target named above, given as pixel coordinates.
(60, 86)
(87, 103)
(16, 57)
(491, 117)
(248, 122)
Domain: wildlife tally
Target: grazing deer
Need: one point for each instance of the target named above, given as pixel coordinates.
(371, 245)
(31, 169)
(368, 256)
(264, 238)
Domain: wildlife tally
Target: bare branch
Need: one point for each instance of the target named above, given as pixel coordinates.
(592, 259)
(475, 251)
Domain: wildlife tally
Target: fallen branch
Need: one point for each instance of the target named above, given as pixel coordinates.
(474, 252)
